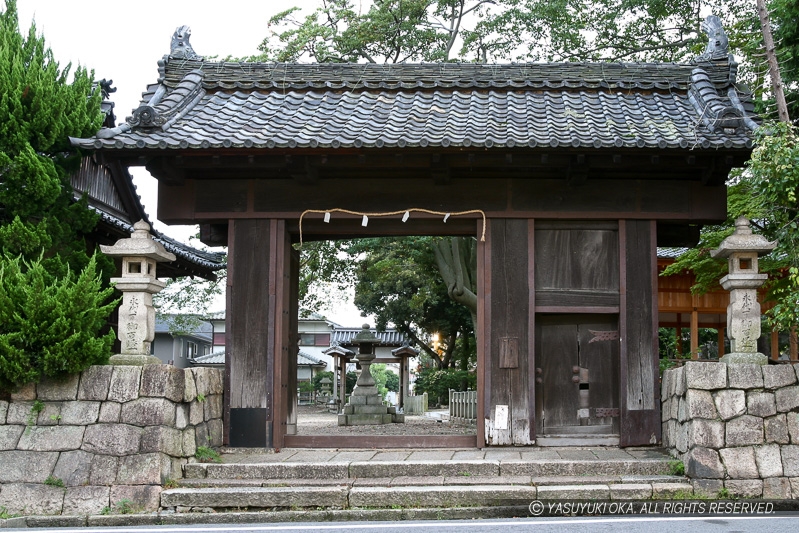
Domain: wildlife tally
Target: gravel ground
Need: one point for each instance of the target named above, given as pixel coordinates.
(313, 420)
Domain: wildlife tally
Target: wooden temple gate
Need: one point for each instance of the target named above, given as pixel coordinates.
(580, 170)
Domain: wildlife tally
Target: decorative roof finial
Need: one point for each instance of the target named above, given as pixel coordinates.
(718, 46)
(181, 48)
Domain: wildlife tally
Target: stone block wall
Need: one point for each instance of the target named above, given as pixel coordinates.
(735, 427)
(111, 433)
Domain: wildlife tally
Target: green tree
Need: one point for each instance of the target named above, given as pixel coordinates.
(393, 31)
(398, 282)
(52, 300)
(40, 108)
(49, 326)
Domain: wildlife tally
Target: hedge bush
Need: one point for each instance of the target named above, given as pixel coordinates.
(50, 326)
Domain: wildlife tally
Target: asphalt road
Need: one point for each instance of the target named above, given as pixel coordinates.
(775, 523)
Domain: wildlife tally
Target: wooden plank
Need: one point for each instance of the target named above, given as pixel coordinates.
(531, 329)
(483, 369)
(288, 295)
(640, 424)
(485, 324)
(665, 199)
(221, 195)
(381, 441)
(509, 319)
(247, 323)
(557, 349)
(249, 313)
(509, 352)
(276, 357)
(576, 309)
(228, 332)
(576, 259)
(601, 357)
(354, 194)
(576, 298)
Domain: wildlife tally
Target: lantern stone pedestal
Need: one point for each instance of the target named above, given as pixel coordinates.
(138, 283)
(742, 249)
(366, 407)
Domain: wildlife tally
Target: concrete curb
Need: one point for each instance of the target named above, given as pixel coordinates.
(344, 515)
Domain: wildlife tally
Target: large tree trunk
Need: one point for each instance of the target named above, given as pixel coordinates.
(456, 258)
(773, 65)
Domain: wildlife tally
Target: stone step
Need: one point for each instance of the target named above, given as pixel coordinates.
(400, 481)
(412, 496)
(392, 469)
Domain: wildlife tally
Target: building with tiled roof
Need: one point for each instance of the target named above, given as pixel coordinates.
(568, 176)
(110, 192)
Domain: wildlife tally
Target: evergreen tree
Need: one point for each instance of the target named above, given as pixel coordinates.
(48, 327)
(39, 110)
(52, 300)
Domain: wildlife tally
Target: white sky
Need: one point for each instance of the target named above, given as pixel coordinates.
(122, 40)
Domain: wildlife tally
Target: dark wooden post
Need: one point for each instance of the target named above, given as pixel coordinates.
(256, 331)
(640, 412)
(507, 359)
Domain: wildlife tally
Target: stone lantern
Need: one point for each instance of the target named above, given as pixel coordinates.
(138, 283)
(366, 404)
(742, 250)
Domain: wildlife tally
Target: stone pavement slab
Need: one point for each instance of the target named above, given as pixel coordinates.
(468, 455)
(445, 496)
(431, 455)
(354, 455)
(487, 480)
(574, 492)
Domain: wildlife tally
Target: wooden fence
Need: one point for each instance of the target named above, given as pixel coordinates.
(463, 407)
(415, 405)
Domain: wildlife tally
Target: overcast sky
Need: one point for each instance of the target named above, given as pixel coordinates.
(123, 40)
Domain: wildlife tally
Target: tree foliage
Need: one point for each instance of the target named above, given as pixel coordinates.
(774, 171)
(324, 274)
(398, 282)
(39, 109)
(53, 302)
(49, 326)
(437, 383)
(391, 31)
(766, 193)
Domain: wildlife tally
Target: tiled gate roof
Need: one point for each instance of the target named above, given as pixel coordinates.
(201, 105)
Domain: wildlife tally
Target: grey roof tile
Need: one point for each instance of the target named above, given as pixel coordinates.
(216, 105)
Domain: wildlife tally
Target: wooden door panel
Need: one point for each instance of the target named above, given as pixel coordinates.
(564, 344)
(577, 259)
(557, 355)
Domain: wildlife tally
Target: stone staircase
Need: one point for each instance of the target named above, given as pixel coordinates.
(273, 485)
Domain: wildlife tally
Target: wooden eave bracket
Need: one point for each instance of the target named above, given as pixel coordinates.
(165, 170)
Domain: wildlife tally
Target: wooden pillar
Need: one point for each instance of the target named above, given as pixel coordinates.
(721, 341)
(775, 345)
(290, 348)
(403, 378)
(509, 356)
(794, 343)
(694, 334)
(343, 389)
(638, 317)
(256, 333)
(335, 376)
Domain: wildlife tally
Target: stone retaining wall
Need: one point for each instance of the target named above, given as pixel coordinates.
(111, 433)
(735, 427)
